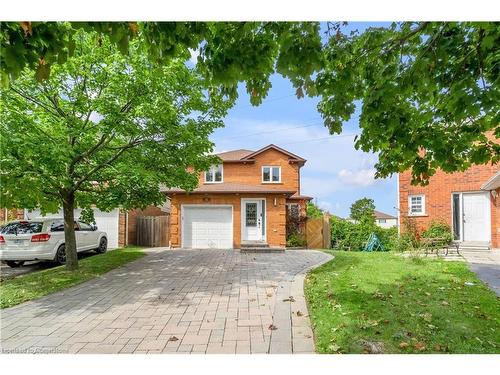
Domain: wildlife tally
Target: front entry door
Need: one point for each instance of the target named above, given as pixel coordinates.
(476, 213)
(252, 220)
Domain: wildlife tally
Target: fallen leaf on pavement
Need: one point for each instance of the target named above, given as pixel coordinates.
(173, 338)
(272, 327)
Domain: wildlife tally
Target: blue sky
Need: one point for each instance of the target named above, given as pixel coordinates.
(335, 173)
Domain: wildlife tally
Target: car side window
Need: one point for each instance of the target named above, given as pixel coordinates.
(84, 226)
(57, 226)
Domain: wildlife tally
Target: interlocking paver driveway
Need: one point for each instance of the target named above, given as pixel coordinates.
(180, 301)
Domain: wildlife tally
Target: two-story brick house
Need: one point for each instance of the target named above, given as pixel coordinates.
(242, 200)
(468, 202)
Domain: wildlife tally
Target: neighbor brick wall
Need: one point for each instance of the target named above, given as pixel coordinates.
(438, 196)
(276, 219)
(12, 214)
(251, 173)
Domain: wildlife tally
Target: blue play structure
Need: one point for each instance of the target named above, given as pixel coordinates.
(374, 244)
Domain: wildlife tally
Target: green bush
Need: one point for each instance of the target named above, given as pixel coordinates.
(351, 236)
(296, 239)
(438, 229)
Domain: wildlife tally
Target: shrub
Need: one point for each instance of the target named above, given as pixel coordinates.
(313, 211)
(351, 236)
(295, 239)
(438, 229)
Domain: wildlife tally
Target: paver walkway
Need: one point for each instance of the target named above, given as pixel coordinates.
(180, 301)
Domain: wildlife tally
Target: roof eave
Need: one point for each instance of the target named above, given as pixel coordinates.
(493, 183)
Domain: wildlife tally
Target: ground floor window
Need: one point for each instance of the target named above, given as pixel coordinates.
(416, 205)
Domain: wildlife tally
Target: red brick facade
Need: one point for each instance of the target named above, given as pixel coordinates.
(438, 197)
(248, 174)
(10, 214)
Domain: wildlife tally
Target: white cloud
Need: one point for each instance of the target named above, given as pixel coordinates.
(362, 177)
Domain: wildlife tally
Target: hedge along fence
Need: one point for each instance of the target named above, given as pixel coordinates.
(350, 236)
(347, 235)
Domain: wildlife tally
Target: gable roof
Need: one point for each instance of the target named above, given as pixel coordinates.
(234, 155)
(293, 157)
(381, 215)
(248, 156)
(230, 188)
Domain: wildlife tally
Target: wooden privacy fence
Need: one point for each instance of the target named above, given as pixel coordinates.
(318, 233)
(152, 231)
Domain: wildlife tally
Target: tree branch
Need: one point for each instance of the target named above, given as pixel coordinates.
(102, 165)
(35, 101)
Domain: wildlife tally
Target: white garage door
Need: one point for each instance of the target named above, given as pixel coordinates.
(105, 221)
(207, 227)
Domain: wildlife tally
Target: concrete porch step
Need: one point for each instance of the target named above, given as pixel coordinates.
(251, 244)
(262, 250)
(474, 245)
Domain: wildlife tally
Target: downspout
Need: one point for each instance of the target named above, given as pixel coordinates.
(126, 228)
(398, 207)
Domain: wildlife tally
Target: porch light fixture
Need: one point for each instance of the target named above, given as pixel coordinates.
(275, 202)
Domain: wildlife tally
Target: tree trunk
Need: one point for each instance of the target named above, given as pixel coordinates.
(69, 232)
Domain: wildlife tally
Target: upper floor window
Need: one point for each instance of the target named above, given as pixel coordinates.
(214, 174)
(271, 174)
(416, 204)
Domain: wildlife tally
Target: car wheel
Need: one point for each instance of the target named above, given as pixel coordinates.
(103, 246)
(61, 255)
(15, 263)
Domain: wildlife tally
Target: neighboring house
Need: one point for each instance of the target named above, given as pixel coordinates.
(119, 225)
(243, 200)
(467, 201)
(385, 220)
(381, 219)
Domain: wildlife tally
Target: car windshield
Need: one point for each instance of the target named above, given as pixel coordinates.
(23, 227)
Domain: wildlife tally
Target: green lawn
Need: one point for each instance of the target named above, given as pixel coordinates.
(38, 284)
(382, 302)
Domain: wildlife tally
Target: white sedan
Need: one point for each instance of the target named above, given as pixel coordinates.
(43, 239)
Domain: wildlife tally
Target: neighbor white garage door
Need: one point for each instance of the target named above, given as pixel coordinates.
(105, 221)
(207, 227)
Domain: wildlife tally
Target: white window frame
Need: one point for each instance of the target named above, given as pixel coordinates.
(410, 212)
(271, 174)
(213, 168)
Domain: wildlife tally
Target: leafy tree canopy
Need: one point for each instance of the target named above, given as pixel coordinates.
(363, 209)
(105, 129)
(429, 93)
(229, 52)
